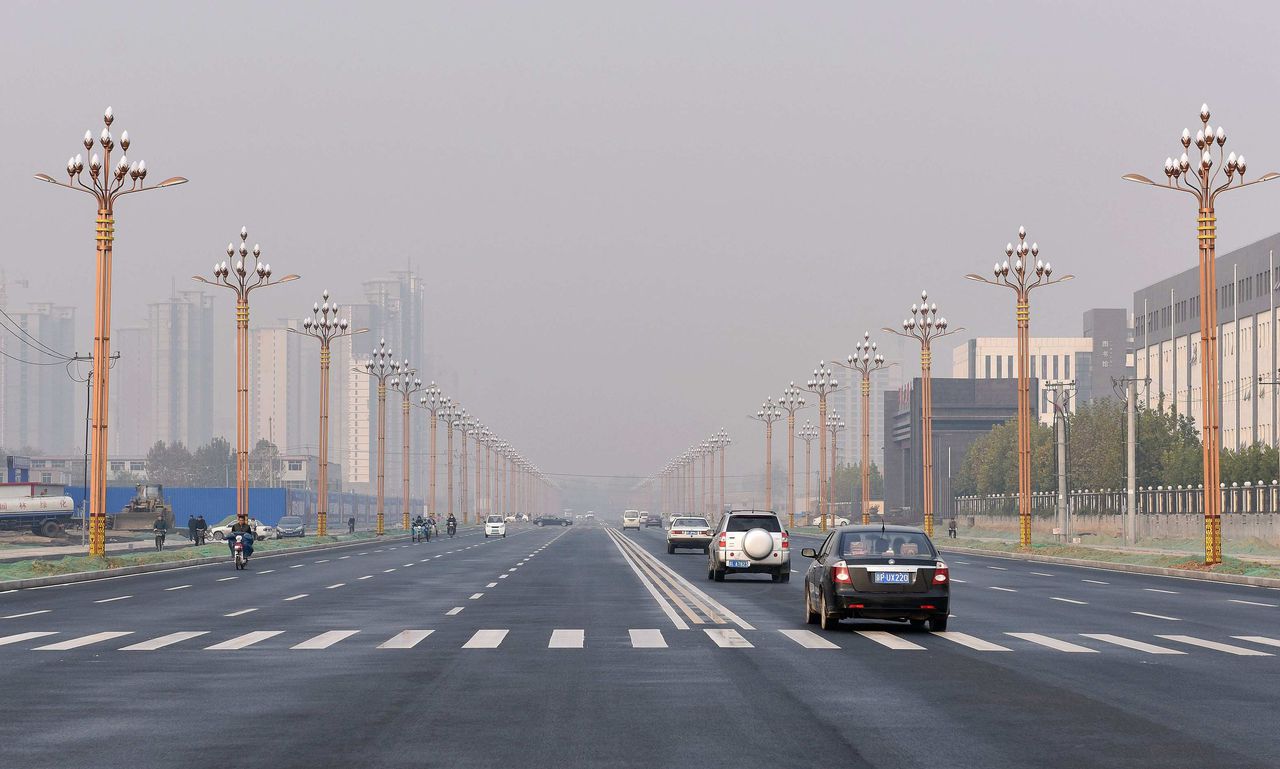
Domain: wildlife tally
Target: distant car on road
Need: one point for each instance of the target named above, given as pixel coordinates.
(750, 542)
(290, 526)
(495, 526)
(830, 521)
(650, 519)
(877, 572)
(223, 528)
(553, 520)
(631, 520)
(689, 531)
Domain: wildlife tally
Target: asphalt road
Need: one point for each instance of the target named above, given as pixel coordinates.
(582, 647)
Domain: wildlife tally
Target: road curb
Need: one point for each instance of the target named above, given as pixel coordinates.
(147, 568)
(1132, 568)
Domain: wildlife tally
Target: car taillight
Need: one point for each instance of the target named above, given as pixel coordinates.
(724, 540)
(840, 573)
(786, 541)
(941, 573)
(676, 531)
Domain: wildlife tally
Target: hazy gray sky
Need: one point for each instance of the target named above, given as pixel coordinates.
(637, 219)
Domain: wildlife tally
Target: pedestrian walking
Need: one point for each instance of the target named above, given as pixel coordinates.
(351, 525)
(192, 528)
(202, 529)
(951, 527)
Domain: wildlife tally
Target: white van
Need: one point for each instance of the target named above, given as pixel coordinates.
(495, 526)
(631, 520)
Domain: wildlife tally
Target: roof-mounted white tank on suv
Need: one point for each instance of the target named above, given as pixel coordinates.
(750, 542)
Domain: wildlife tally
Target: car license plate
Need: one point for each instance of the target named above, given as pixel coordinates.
(739, 564)
(892, 577)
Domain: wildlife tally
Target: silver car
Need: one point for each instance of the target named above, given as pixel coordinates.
(689, 531)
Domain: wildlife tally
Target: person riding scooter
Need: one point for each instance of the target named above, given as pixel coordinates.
(451, 525)
(246, 532)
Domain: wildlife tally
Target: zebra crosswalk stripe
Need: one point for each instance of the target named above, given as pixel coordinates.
(405, 639)
(20, 637)
(1239, 651)
(246, 640)
(567, 639)
(1129, 643)
(76, 643)
(808, 639)
(964, 639)
(485, 639)
(885, 638)
(728, 638)
(325, 640)
(163, 641)
(1053, 643)
(647, 639)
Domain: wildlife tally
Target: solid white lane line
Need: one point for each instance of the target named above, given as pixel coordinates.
(885, 638)
(1259, 639)
(964, 639)
(367, 576)
(1003, 589)
(335, 585)
(117, 598)
(176, 587)
(76, 643)
(1129, 643)
(485, 639)
(808, 639)
(1155, 616)
(454, 610)
(567, 639)
(27, 614)
(1053, 643)
(728, 638)
(1070, 600)
(20, 637)
(1253, 603)
(492, 584)
(405, 639)
(325, 639)
(242, 641)
(474, 596)
(238, 613)
(1041, 574)
(296, 597)
(647, 639)
(163, 641)
(1158, 590)
(998, 568)
(1239, 651)
(1095, 581)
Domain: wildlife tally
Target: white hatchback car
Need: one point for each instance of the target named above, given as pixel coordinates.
(495, 526)
(631, 520)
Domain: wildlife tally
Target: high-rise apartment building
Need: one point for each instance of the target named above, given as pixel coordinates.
(132, 421)
(182, 392)
(37, 394)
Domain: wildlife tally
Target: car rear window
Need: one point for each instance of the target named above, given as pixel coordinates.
(749, 522)
(692, 522)
(290, 520)
(876, 544)
(495, 519)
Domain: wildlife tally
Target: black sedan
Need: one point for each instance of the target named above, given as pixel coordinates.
(553, 520)
(877, 572)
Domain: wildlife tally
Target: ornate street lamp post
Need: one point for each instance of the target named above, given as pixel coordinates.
(451, 415)
(835, 424)
(325, 326)
(1199, 177)
(106, 185)
(464, 426)
(243, 279)
(768, 414)
(807, 433)
(791, 402)
(722, 441)
(823, 384)
(925, 326)
(382, 366)
(478, 434)
(865, 361)
(432, 400)
(1022, 277)
(407, 385)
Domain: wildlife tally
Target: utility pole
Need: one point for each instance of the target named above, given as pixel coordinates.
(1131, 458)
(1060, 397)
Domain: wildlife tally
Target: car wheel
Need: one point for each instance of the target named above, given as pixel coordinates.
(775, 576)
(720, 573)
(917, 624)
(826, 620)
(711, 573)
(810, 617)
(219, 536)
(786, 575)
(938, 623)
(670, 548)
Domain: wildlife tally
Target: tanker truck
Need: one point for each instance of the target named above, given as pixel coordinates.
(40, 507)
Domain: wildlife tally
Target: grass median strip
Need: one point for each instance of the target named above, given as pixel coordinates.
(1188, 562)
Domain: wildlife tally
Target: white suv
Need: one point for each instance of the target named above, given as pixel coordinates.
(631, 520)
(750, 542)
(495, 526)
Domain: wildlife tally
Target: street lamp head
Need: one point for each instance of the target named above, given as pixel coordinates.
(1204, 113)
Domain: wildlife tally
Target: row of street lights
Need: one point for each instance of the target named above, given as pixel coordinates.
(678, 481)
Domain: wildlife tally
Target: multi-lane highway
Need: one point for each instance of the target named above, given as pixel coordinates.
(585, 646)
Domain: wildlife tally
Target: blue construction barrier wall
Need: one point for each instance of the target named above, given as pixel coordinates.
(266, 505)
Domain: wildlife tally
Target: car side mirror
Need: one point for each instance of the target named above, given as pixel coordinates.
(809, 552)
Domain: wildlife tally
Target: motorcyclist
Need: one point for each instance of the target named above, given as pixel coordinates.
(451, 525)
(160, 528)
(246, 530)
(419, 525)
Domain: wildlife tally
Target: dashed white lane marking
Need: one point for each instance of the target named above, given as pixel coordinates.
(225, 579)
(1040, 574)
(1070, 600)
(367, 576)
(1158, 590)
(1253, 603)
(238, 613)
(20, 637)
(325, 640)
(510, 570)
(1129, 643)
(485, 639)
(266, 571)
(323, 560)
(1095, 581)
(808, 639)
(1259, 639)
(1053, 643)
(176, 587)
(567, 639)
(343, 558)
(492, 584)
(405, 639)
(364, 553)
(998, 568)
(503, 576)
(728, 638)
(454, 610)
(335, 585)
(645, 639)
(966, 563)
(296, 597)
(163, 641)
(27, 614)
(885, 638)
(76, 643)
(1239, 651)
(474, 596)
(407, 565)
(1155, 616)
(1003, 589)
(953, 579)
(297, 566)
(964, 639)
(437, 556)
(388, 571)
(117, 598)
(424, 560)
(242, 641)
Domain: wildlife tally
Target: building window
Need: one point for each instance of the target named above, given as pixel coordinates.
(137, 466)
(987, 360)
(1055, 367)
(999, 367)
(1066, 361)
(46, 477)
(295, 466)
(1009, 364)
